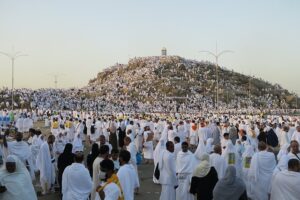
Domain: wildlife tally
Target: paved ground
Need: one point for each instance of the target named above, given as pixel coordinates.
(148, 190)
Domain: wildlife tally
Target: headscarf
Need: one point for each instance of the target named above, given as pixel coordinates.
(66, 158)
(200, 150)
(95, 150)
(203, 168)
(68, 149)
(230, 187)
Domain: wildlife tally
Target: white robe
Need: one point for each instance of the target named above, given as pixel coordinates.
(193, 137)
(59, 145)
(111, 191)
(76, 182)
(22, 151)
(148, 147)
(296, 136)
(18, 184)
(285, 185)
(156, 155)
(19, 125)
(132, 149)
(167, 177)
(35, 149)
(44, 164)
(262, 166)
(127, 177)
(177, 148)
(246, 162)
(204, 133)
(233, 158)
(184, 169)
(77, 144)
(96, 181)
(218, 162)
(27, 124)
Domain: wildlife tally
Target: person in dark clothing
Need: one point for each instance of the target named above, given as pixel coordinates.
(122, 133)
(91, 157)
(272, 139)
(64, 160)
(262, 137)
(204, 180)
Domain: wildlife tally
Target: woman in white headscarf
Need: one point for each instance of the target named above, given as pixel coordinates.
(157, 154)
(15, 181)
(230, 187)
(200, 151)
(204, 179)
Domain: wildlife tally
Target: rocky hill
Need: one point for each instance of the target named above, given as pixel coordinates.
(159, 84)
(160, 79)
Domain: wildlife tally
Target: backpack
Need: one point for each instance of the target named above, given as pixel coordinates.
(157, 172)
(92, 129)
(139, 158)
(272, 138)
(85, 130)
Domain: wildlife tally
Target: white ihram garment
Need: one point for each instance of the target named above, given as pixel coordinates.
(76, 182)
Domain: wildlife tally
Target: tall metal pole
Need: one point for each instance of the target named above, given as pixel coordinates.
(217, 77)
(217, 55)
(249, 92)
(296, 100)
(12, 83)
(12, 56)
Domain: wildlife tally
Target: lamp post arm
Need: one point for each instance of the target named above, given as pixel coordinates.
(214, 55)
(6, 54)
(225, 51)
(17, 56)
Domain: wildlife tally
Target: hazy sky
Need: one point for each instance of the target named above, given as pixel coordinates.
(77, 38)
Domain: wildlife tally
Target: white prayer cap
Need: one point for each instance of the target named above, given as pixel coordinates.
(10, 159)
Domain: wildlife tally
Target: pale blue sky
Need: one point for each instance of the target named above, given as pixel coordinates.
(77, 38)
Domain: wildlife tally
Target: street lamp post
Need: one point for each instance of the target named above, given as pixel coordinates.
(13, 56)
(217, 55)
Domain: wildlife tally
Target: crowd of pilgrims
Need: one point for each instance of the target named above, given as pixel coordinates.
(142, 85)
(205, 156)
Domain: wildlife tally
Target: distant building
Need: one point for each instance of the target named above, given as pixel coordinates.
(164, 52)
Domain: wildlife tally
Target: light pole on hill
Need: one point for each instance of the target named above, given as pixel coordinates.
(216, 55)
(12, 56)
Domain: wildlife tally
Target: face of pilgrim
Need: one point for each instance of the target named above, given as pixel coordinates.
(295, 147)
(184, 148)
(11, 167)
